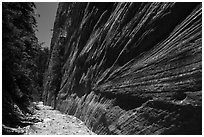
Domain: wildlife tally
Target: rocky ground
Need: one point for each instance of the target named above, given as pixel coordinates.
(55, 123)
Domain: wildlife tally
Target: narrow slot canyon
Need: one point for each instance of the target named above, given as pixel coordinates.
(112, 68)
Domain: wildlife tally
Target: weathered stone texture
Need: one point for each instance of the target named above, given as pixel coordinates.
(128, 68)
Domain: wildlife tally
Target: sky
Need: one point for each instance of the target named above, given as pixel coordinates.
(45, 22)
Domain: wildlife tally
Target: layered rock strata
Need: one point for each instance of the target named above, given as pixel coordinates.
(128, 68)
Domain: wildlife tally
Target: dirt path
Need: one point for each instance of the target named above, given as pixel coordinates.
(56, 123)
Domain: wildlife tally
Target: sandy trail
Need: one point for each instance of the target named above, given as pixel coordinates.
(56, 123)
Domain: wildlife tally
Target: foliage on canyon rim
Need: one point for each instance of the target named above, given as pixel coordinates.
(23, 63)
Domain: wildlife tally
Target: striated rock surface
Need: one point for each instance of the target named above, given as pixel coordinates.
(128, 68)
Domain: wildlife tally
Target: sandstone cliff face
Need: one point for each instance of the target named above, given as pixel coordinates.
(128, 68)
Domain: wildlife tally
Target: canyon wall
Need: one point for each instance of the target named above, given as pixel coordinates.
(128, 68)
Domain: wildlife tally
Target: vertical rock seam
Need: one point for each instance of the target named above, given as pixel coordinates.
(128, 68)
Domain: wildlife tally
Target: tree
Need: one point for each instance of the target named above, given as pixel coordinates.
(20, 66)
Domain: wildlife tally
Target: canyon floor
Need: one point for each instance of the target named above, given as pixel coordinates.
(54, 122)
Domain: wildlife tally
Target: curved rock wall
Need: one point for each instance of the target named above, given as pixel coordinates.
(128, 68)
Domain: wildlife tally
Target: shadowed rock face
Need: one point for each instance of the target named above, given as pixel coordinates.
(128, 68)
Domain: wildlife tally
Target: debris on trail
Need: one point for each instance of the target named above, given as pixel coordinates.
(55, 123)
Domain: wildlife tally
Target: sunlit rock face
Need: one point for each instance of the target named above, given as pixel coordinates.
(128, 68)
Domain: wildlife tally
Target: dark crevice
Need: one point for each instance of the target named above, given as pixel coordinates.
(125, 101)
